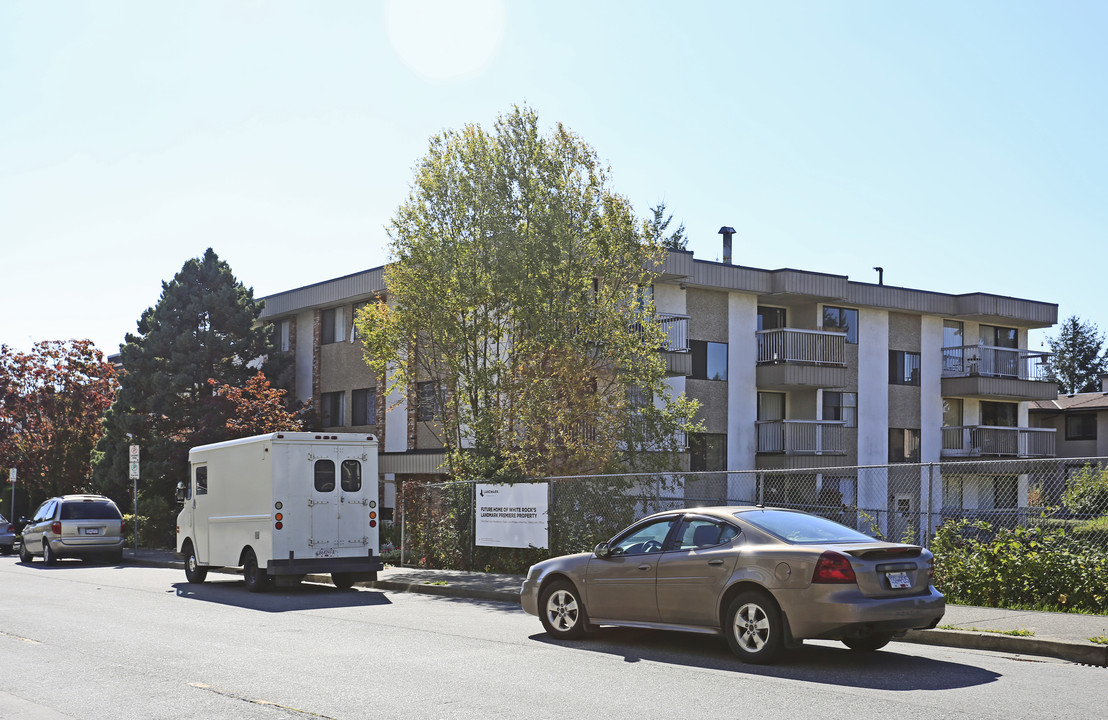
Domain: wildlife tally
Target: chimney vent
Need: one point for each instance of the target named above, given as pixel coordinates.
(727, 232)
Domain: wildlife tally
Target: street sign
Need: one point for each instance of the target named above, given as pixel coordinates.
(11, 475)
(134, 463)
(134, 453)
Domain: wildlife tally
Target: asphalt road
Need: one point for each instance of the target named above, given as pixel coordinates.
(81, 641)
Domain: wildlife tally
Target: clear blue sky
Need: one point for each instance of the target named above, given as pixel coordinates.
(959, 145)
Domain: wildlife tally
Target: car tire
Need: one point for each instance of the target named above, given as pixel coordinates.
(25, 555)
(562, 612)
(193, 572)
(343, 581)
(256, 579)
(868, 643)
(754, 628)
(48, 556)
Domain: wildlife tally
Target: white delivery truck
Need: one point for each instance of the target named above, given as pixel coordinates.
(281, 506)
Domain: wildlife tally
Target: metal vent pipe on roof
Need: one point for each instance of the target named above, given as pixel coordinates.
(727, 233)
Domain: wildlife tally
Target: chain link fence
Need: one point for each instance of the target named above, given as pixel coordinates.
(435, 524)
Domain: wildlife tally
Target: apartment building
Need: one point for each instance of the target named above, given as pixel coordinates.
(793, 368)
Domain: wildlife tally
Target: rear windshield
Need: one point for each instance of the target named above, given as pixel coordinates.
(90, 510)
(797, 527)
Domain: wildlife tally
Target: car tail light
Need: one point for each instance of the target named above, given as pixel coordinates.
(122, 527)
(833, 567)
(56, 527)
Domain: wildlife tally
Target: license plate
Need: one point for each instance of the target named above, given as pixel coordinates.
(898, 580)
(91, 531)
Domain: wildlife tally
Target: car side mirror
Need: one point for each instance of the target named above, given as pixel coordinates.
(180, 492)
(602, 550)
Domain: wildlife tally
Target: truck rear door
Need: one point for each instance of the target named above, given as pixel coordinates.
(339, 500)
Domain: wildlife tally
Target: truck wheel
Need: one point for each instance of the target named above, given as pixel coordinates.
(193, 572)
(257, 581)
(343, 581)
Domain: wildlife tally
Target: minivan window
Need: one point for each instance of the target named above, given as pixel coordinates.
(90, 510)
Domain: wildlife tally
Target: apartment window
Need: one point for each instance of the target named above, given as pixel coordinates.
(428, 402)
(771, 406)
(1003, 337)
(952, 418)
(364, 411)
(952, 492)
(903, 367)
(709, 360)
(999, 414)
(1081, 426)
(841, 406)
(707, 452)
(332, 409)
(354, 316)
(903, 445)
(332, 326)
(952, 333)
(284, 335)
(842, 319)
(771, 318)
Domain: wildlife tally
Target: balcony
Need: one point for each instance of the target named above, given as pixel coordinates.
(793, 358)
(995, 372)
(801, 437)
(992, 441)
(675, 349)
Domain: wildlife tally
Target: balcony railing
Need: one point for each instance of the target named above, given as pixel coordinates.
(789, 345)
(677, 331)
(965, 360)
(988, 440)
(801, 437)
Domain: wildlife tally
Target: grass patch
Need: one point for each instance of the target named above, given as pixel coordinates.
(1099, 640)
(434, 582)
(1018, 633)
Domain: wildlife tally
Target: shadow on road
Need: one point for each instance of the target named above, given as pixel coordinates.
(305, 597)
(886, 669)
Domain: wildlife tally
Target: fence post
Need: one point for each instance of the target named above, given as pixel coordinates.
(930, 495)
(403, 522)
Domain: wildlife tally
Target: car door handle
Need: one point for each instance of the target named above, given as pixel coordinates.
(717, 561)
(645, 566)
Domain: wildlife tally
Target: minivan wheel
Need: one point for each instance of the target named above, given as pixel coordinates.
(25, 555)
(257, 581)
(753, 627)
(48, 556)
(193, 572)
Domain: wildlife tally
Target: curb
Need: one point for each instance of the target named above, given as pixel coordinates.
(997, 642)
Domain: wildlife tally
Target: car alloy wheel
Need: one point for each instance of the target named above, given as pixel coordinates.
(563, 614)
(754, 627)
(48, 556)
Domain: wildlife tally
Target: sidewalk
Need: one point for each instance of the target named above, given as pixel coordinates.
(1058, 635)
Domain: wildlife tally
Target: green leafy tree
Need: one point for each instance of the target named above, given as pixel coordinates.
(656, 226)
(52, 400)
(516, 294)
(204, 328)
(1087, 491)
(1078, 360)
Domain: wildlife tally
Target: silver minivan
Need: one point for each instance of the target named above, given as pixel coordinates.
(86, 526)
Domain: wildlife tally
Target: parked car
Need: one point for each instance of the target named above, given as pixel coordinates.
(87, 526)
(764, 578)
(7, 537)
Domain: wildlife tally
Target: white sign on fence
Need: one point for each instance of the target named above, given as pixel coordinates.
(513, 515)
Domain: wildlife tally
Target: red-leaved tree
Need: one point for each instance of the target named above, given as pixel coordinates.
(259, 408)
(52, 400)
